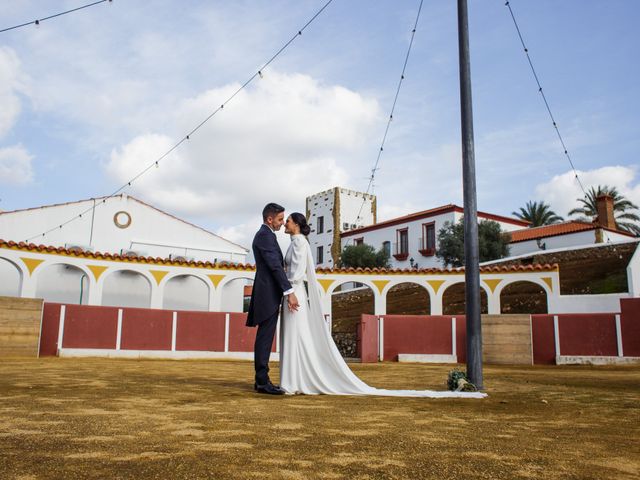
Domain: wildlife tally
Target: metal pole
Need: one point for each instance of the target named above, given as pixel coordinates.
(471, 250)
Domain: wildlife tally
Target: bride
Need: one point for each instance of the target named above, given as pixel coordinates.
(310, 362)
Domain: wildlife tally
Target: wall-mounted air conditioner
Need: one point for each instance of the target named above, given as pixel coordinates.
(181, 258)
(75, 247)
(125, 252)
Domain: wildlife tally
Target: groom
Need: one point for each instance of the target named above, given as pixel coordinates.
(269, 286)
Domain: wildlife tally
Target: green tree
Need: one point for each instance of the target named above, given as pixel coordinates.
(493, 242)
(363, 256)
(538, 214)
(625, 219)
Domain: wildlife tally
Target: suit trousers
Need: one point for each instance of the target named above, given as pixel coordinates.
(262, 348)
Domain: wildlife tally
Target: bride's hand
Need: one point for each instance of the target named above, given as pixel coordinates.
(292, 302)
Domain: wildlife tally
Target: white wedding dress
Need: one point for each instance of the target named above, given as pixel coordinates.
(310, 362)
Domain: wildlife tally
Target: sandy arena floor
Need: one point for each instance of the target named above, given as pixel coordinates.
(108, 419)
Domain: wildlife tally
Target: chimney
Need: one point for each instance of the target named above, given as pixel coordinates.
(604, 205)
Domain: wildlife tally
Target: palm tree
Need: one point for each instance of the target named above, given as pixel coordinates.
(538, 214)
(625, 220)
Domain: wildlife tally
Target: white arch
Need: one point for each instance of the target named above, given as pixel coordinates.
(425, 286)
(446, 286)
(339, 282)
(58, 293)
(6, 281)
(232, 292)
(131, 302)
(534, 281)
(502, 285)
(187, 300)
(235, 276)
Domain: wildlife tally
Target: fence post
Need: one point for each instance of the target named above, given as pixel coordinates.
(556, 334)
(119, 330)
(381, 338)
(619, 335)
(61, 328)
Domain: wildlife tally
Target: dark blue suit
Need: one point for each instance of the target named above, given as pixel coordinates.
(269, 285)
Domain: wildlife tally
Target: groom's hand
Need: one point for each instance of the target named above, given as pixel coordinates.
(292, 302)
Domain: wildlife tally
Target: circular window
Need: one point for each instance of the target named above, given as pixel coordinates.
(122, 219)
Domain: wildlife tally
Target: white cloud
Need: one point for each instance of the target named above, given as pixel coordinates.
(12, 83)
(15, 166)
(562, 190)
(281, 140)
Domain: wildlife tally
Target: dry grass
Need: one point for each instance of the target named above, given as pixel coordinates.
(94, 418)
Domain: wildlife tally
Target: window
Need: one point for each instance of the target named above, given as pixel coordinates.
(401, 250)
(428, 240)
(403, 238)
(386, 247)
(319, 255)
(358, 241)
(320, 225)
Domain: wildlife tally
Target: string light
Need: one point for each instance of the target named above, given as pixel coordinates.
(197, 127)
(37, 21)
(544, 98)
(393, 107)
(548, 107)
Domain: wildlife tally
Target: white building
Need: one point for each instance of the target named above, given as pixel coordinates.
(333, 212)
(411, 240)
(124, 228)
(120, 225)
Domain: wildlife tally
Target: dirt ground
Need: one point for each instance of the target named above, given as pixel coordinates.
(112, 419)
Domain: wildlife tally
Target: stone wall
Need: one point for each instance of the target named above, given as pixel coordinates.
(595, 270)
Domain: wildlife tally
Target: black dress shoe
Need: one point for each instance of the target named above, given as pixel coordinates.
(269, 389)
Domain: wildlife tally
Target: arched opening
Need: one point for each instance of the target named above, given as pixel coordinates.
(236, 295)
(63, 283)
(453, 300)
(185, 292)
(10, 279)
(408, 299)
(523, 297)
(126, 288)
(348, 302)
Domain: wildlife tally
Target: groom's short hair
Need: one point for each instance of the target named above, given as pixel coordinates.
(271, 210)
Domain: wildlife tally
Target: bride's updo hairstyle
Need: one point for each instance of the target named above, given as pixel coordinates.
(300, 220)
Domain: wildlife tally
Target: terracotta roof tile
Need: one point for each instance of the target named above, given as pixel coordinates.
(111, 256)
(249, 267)
(429, 213)
(564, 228)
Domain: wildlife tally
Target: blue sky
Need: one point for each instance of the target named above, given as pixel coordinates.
(91, 98)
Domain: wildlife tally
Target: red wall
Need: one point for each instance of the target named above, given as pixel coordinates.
(90, 327)
(200, 331)
(544, 346)
(416, 334)
(630, 326)
(149, 329)
(146, 329)
(587, 334)
(367, 340)
(49, 329)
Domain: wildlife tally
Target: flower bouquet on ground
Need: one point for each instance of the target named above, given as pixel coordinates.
(458, 382)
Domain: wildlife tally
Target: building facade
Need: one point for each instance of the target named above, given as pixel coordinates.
(120, 225)
(128, 229)
(330, 214)
(411, 240)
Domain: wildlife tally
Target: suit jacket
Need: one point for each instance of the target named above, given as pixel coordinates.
(270, 281)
